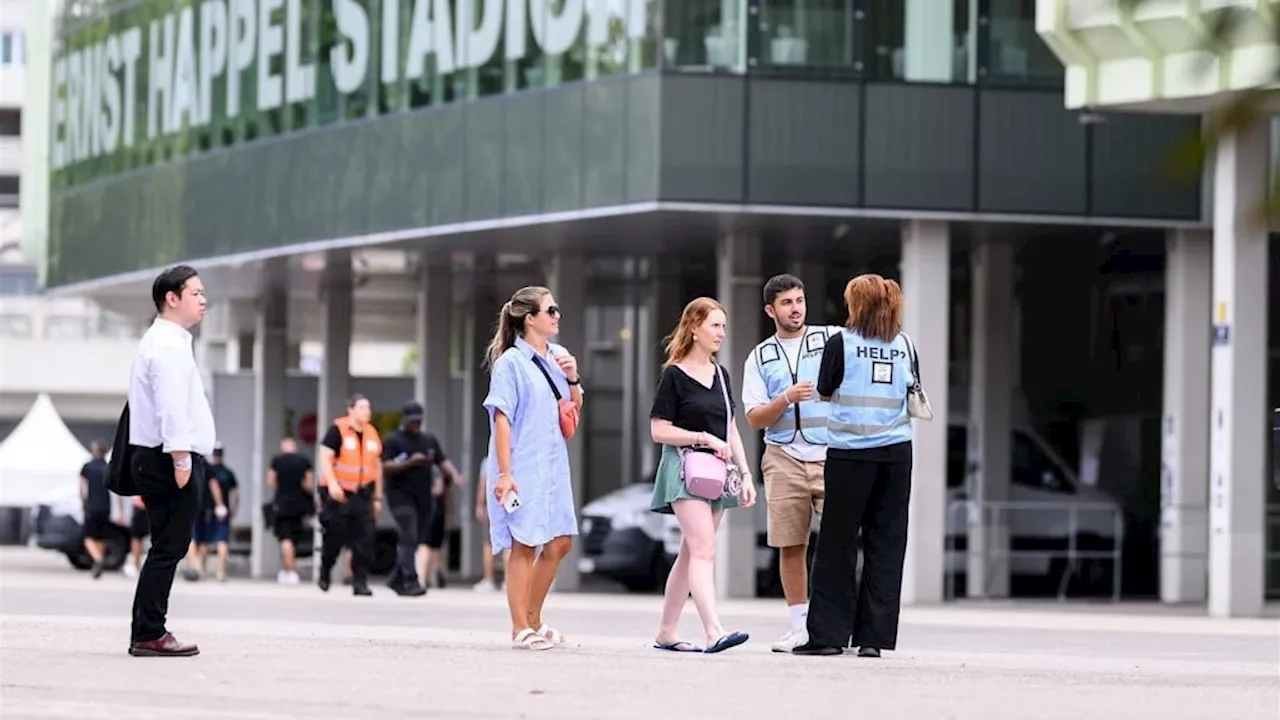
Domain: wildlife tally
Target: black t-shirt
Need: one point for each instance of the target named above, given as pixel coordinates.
(226, 480)
(399, 445)
(333, 439)
(97, 498)
(690, 405)
(291, 469)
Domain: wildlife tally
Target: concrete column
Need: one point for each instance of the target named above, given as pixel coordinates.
(566, 277)
(435, 343)
(480, 325)
(990, 417)
(926, 283)
(661, 312)
(271, 348)
(738, 289)
(930, 43)
(336, 305)
(1237, 433)
(1184, 468)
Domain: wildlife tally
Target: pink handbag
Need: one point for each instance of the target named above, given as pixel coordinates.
(705, 475)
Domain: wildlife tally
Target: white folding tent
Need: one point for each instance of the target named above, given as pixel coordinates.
(39, 457)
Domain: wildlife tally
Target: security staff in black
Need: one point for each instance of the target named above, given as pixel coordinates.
(865, 375)
(407, 457)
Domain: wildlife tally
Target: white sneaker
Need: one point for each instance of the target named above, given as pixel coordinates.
(485, 586)
(129, 570)
(791, 640)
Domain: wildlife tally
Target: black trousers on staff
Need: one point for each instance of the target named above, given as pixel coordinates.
(349, 523)
(170, 512)
(867, 493)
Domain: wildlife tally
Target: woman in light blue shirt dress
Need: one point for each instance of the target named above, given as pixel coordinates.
(528, 375)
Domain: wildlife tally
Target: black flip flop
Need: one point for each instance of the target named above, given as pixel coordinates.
(733, 639)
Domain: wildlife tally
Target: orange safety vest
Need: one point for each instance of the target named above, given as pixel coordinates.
(357, 463)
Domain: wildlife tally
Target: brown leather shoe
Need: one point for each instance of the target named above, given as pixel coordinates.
(166, 646)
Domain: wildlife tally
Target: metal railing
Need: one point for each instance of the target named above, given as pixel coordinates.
(971, 513)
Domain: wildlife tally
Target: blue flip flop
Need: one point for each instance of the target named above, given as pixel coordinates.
(733, 639)
(678, 646)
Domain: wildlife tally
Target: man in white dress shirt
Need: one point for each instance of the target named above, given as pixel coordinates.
(170, 433)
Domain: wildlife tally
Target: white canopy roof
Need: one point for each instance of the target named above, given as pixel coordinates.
(39, 456)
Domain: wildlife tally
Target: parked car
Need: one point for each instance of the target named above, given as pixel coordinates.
(57, 523)
(622, 540)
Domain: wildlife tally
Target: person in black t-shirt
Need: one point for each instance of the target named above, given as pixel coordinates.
(292, 477)
(97, 505)
(408, 455)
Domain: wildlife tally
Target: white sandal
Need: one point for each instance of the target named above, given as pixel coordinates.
(528, 639)
(552, 635)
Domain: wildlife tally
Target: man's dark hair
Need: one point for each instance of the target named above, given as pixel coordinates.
(355, 398)
(779, 284)
(170, 281)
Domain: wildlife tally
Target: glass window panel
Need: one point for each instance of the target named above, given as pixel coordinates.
(807, 33)
(1013, 52)
(920, 41)
(705, 35)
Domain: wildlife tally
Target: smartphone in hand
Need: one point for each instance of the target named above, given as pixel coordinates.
(510, 501)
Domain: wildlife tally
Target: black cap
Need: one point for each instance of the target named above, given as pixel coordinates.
(412, 410)
(217, 449)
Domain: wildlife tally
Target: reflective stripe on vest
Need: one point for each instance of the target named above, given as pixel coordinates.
(869, 409)
(809, 418)
(359, 457)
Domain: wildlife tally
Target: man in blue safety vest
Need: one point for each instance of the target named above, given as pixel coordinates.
(779, 396)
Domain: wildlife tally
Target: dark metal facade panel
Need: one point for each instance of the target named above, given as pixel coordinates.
(562, 139)
(1136, 167)
(919, 147)
(643, 137)
(804, 142)
(1032, 155)
(626, 140)
(702, 149)
(522, 152)
(604, 143)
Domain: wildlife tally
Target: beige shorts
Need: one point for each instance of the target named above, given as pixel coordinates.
(793, 491)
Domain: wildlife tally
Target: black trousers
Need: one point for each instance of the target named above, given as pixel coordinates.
(867, 493)
(170, 511)
(412, 510)
(348, 524)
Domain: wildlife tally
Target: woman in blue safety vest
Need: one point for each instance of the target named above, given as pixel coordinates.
(865, 374)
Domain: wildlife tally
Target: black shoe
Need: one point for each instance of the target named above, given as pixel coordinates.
(97, 570)
(811, 648)
(410, 590)
(361, 590)
(323, 582)
(869, 652)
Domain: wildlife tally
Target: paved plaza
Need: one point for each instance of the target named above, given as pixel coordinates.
(271, 652)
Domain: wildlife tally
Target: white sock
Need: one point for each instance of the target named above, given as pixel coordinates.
(799, 616)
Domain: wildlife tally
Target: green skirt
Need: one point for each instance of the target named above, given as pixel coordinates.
(668, 486)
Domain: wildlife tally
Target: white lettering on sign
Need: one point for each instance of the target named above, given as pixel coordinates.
(96, 93)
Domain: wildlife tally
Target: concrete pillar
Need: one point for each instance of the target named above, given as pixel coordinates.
(929, 47)
(990, 433)
(1184, 468)
(661, 312)
(435, 343)
(738, 289)
(480, 325)
(270, 351)
(566, 277)
(1237, 433)
(926, 283)
(333, 387)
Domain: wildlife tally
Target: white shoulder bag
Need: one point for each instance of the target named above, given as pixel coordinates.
(917, 400)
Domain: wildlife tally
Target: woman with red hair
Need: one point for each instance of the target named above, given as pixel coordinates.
(867, 370)
(692, 414)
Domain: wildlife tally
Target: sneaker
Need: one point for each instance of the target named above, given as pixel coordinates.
(792, 640)
(485, 586)
(129, 570)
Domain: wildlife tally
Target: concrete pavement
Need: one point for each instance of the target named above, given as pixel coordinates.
(292, 652)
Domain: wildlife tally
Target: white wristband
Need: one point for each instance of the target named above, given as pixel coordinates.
(182, 463)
